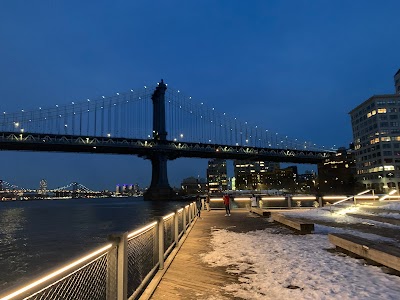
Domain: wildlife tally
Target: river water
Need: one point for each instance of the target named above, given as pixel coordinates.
(38, 235)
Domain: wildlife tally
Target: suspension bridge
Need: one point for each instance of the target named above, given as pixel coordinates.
(136, 123)
(71, 190)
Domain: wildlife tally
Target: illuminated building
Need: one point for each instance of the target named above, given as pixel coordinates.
(217, 176)
(336, 174)
(397, 81)
(193, 185)
(251, 175)
(282, 179)
(376, 135)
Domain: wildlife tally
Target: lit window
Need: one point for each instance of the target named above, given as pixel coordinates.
(381, 110)
(388, 168)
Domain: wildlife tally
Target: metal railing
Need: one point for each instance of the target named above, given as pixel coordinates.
(119, 270)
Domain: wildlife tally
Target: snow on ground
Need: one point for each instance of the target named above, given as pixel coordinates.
(339, 215)
(391, 206)
(275, 264)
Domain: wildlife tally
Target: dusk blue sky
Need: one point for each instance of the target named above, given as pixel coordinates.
(294, 67)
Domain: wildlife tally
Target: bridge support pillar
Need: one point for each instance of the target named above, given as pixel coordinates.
(159, 188)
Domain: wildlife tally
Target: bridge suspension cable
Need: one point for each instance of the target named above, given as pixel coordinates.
(120, 115)
(188, 121)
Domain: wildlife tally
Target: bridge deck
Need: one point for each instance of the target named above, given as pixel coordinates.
(188, 277)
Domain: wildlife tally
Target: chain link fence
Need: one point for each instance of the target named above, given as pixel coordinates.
(142, 254)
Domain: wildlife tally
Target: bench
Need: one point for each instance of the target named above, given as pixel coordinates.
(386, 255)
(376, 218)
(297, 224)
(260, 211)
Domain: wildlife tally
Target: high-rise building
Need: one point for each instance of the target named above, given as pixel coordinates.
(191, 185)
(376, 135)
(397, 82)
(217, 175)
(336, 174)
(282, 179)
(251, 175)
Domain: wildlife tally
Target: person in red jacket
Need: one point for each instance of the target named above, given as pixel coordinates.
(227, 204)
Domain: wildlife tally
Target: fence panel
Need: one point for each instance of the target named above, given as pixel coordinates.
(86, 283)
(180, 221)
(142, 252)
(168, 232)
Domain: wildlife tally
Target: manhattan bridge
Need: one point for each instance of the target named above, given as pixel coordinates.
(156, 123)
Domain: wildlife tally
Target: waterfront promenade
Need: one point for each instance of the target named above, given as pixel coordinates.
(188, 277)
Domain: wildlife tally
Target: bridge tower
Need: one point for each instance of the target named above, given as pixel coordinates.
(159, 188)
(74, 193)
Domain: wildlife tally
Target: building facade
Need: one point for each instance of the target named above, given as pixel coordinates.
(337, 174)
(217, 179)
(376, 135)
(397, 82)
(252, 175)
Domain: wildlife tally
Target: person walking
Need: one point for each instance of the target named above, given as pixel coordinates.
(253, 200)
(198, 204)
(208, 202)
(227, 204)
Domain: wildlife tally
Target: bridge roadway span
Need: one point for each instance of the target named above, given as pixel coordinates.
(188, 277)
(147, 148)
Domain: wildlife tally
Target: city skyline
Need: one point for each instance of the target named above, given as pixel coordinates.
(294, 68)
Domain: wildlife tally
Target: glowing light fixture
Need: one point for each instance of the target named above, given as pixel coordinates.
(388, 195)
(359, 194)
(141, 230)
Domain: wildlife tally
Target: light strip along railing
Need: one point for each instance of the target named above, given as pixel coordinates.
(118, 270)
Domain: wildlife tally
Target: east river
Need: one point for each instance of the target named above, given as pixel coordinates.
(36, 236)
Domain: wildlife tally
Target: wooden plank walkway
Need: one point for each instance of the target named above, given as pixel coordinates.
(188, 277)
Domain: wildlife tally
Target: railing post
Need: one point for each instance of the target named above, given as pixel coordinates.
(176, 227)
(190, 213)
(320, 201)
(184, 219)
(202, 204)
(111, 280)
(161, 242)
(289, 201)
(122, 266)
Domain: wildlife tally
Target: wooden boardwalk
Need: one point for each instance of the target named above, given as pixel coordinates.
(188, 277)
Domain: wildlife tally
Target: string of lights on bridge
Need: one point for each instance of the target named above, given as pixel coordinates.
(6, 186)
(129, 115)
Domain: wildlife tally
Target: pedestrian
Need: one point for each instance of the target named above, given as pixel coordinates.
(208, 202)
(198, 204)
(253, 200)
(226, 203)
